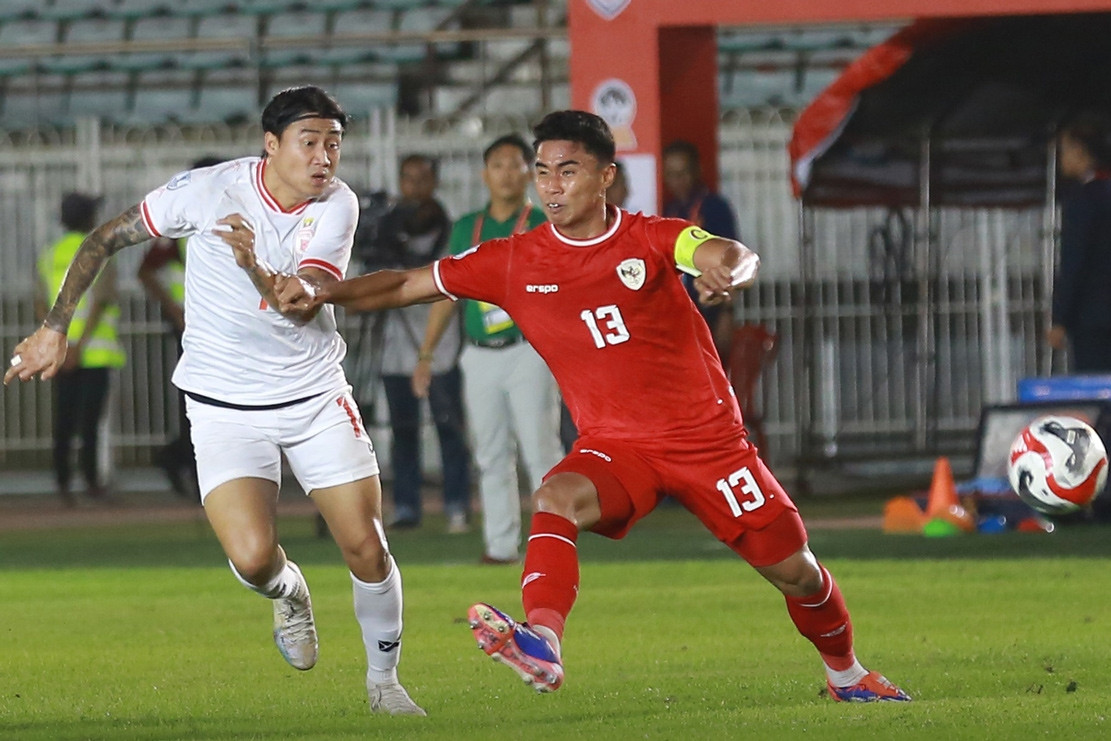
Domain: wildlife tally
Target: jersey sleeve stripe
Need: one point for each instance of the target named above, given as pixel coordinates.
(440, 282)
(327, 267)
(144, 211)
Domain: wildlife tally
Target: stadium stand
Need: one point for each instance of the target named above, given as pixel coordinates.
(445, 58)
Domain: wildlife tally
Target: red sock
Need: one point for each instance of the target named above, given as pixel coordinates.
(551, 577)
(823, 619)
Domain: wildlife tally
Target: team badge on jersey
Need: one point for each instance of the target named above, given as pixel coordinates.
(180, 180)
(304, 234)
(632, 273)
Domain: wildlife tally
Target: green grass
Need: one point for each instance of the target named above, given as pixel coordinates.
(142, 633)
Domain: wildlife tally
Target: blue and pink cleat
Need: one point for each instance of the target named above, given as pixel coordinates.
(873, 688)
(517, 646)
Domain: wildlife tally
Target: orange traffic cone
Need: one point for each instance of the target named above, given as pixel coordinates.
(944, 505)
(943, 491)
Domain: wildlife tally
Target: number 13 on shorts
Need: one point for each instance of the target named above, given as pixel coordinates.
(741, 492)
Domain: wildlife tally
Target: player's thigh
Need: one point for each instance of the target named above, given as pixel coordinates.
(326, 443)
(731, 491)
(353, 512)
(233, 444)
(627, 488)
(243, 514)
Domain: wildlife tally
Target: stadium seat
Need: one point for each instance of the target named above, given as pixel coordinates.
(296, 23)
(140, 8)
(99, 30)
(227, 26)
(100, 94)
(753, 348)
(34, 107)
(28, 32)
(70, 10)
(363, 20)
(300, 74)
(223, 103)
(359, 98)
(20, 9)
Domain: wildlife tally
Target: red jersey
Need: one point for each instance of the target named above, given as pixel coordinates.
(610, 316)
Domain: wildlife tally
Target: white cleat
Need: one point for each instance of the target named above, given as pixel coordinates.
(294, 626)
(391, 698)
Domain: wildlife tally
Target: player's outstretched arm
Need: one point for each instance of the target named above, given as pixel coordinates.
(44, 351)
(726, 266)
(383, 289)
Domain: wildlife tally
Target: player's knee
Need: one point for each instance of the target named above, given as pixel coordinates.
(796, 576)
(367, 559)
(256, 566)
(568, 495)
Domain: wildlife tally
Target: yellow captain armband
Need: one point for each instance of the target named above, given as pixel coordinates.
(685, 245)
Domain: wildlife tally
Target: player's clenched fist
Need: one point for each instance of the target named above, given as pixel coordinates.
(296, 294)
(716, 284)
(41, 353)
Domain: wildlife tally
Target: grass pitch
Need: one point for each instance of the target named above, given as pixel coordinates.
(142, 633)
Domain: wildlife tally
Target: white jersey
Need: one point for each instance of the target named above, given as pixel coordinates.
(236, 348)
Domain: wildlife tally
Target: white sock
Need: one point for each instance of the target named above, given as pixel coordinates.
(846, 678)
(286, 583)
(378, 610)
(551, 636)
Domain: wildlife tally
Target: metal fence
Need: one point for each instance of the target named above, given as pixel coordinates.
(890, 343)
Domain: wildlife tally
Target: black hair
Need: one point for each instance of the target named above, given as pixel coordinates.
(1091, 131)
(78, 211)
(513, 140)
(296, 103)
(584, 128)
(685, 148)
(210, 160)
(423, 159)
(621, 170)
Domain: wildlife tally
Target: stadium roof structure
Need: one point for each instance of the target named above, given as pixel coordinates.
(953, 112)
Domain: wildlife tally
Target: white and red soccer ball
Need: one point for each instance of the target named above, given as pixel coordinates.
(1057, 464)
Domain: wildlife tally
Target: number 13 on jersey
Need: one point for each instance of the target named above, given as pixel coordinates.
(606, 325)
(741, 492)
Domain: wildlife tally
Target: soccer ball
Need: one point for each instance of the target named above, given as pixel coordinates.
(1057, 464)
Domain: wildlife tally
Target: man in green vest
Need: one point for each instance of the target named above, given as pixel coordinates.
(511, 399)
(81, 388)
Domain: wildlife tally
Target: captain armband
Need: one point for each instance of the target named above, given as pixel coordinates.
(685, 244)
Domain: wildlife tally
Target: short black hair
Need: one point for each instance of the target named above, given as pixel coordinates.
(421, 159)
(296, 103)
(513, 140)
(1091, 131)
(685, 148)
(78, 212)
(587, 129)
(209, 160)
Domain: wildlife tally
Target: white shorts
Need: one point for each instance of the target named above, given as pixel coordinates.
(323, 439)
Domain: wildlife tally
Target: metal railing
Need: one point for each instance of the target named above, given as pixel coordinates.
(872, 393)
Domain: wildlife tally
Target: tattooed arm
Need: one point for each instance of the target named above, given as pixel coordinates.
(43, 352)
(104, 241)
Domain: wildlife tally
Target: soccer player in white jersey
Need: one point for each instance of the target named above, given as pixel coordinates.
(259, 382)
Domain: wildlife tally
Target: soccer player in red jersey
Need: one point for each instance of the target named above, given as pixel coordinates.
(597, 292)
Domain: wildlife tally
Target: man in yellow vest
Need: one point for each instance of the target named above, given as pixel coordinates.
(81, 389)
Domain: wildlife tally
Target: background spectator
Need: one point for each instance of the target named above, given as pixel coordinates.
(512, 400)
(413, 232)
(81, 388)
(1082, 287)
(692, 199)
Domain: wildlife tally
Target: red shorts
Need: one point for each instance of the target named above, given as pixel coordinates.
(722, 482)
